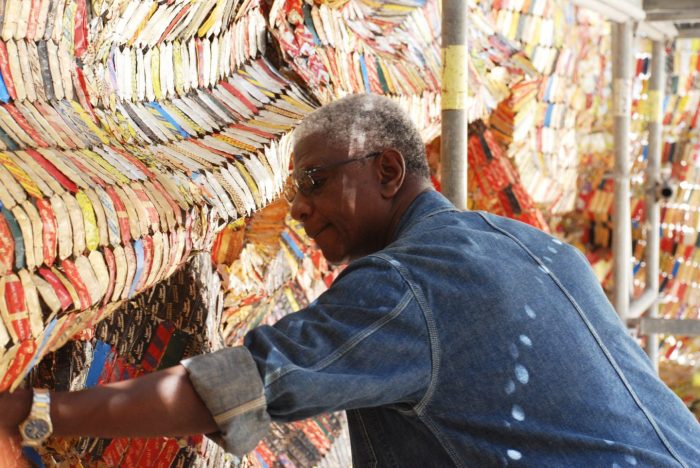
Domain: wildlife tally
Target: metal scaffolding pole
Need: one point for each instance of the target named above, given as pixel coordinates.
(657, 82)
(622, 103)
(453, 150)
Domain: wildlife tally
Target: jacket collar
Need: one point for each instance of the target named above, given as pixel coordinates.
(425, 205)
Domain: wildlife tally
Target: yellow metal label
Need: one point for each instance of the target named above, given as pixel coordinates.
(454, 77)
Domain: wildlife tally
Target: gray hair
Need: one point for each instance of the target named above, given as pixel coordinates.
(367, 122)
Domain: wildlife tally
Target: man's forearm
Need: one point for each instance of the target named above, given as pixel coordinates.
(163, 403)
(14, 408)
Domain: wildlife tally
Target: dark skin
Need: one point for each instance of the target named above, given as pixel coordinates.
(359, 206)
(356, 212)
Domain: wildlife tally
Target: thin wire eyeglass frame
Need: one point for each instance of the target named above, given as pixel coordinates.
(306, 184)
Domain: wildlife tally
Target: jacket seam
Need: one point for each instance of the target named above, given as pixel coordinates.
(348, 345)
(435, 350)
(445, 444)
(435, 353)
(365, 435)
(596, 337)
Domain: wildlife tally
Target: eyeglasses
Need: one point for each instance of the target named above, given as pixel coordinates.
(307, 182)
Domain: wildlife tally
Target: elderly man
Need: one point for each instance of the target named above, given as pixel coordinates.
(451, 338)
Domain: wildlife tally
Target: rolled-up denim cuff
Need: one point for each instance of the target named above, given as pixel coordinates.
(229, 383)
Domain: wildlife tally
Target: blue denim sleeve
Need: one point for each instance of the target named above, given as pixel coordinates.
(363, 343)
(228, 383)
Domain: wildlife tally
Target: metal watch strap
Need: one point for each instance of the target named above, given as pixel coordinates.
(40, 412)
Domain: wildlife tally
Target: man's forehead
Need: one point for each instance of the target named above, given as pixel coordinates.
(316, 150)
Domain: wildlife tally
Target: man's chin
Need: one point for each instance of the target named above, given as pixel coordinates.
(341, 262)
(334, 258)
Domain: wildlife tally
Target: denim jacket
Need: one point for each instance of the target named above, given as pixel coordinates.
(471, 340)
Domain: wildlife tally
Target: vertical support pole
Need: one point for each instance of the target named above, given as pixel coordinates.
(657, 86)
(453, 150)
(622, 103)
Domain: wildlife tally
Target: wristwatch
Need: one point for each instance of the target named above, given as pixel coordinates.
(37, 427)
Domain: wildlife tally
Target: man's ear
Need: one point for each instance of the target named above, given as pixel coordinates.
(392, 171)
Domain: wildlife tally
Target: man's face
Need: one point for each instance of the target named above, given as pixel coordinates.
(345, 214)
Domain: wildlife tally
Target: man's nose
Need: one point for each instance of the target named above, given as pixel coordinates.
(301, 207)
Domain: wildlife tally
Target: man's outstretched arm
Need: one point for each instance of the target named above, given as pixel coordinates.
(163, 403)
(219, 394)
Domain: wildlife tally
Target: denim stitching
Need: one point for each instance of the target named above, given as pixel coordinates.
(348, 345)
(435, 353)
(598, 340)
(445, 444)
(432, 332)
(365, 435)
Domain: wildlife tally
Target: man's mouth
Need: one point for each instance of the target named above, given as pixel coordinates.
(319, 231)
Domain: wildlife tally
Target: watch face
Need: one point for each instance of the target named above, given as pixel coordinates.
(36, 429)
